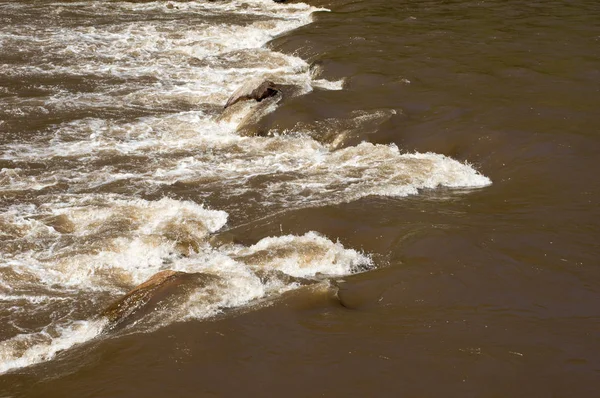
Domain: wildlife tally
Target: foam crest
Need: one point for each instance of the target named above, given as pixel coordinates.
(302, 256)
(328, 84)
(315, 175)
(238, 287)
(295, 170)
(17, 180)
(31, 299)
(103, 243)
(28, 349)
(284, 258)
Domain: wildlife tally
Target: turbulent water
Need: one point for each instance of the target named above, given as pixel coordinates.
(347, 233)
(108, 109)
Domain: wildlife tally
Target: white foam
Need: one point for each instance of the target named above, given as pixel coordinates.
(302, 256)
(44, 345)
(322, 176)
(111, 241)
(241, 286)
(328, 84)
(163, 49)
(31, 299)
(81, 242)
(14, 180)
(307, 256)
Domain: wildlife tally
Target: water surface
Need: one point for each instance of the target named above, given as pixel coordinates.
(431, 174)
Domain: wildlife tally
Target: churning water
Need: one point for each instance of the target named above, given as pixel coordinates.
(108, 108)
(343, 238)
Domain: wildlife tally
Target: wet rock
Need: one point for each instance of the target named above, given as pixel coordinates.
(262, 118)
(276, 276)
(60, 223)
(251, 124)
(256, 89)
(248, 114)
(163, 291)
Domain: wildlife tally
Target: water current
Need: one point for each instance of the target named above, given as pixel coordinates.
(348, 225)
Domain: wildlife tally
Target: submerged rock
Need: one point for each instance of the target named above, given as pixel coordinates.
(256, 89)
(247, 114)
(164, 290)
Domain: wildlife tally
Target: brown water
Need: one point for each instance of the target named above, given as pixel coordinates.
(112, 142)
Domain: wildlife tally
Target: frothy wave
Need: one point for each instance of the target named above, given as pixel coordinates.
(135, 239)
(31, 348)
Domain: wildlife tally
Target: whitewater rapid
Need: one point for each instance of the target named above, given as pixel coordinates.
(94, 216)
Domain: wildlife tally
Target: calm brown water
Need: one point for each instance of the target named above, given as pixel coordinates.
(394, 267)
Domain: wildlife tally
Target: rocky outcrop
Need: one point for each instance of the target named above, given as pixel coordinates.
(164, 290)
(255, 89)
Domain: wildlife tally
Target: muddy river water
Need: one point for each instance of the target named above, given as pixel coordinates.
(416, 215)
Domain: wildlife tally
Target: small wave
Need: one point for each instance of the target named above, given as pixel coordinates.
(99, 242)
(28, 349)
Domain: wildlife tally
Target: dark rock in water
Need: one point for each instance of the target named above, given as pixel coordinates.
(274, 275)
(251, 124)
(254, 89)
(250, 115)
(262, 118)
(164, 290)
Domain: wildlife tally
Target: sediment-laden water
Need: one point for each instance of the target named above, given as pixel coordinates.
(348, 233)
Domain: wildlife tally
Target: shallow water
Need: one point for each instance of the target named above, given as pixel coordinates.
(423, 199)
